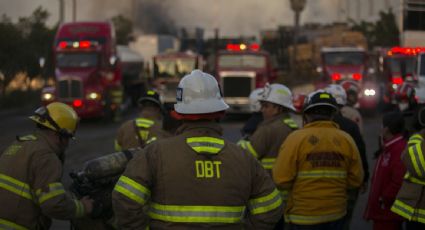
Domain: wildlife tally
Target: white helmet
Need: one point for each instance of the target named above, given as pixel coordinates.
(198, 93)
(254, 97)
(278, 94)
(338, 92)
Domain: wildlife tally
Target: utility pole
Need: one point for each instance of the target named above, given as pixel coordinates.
(74, 10)
(61, 11)
(297, 6)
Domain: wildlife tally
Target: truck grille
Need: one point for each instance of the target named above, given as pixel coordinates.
(70, 88)
(237, 86)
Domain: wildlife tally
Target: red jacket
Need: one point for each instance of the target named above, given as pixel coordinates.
(386, 181)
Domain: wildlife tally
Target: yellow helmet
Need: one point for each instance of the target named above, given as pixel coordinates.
(57, 116)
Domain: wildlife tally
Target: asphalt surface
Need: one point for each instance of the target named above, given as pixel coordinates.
(95, 138)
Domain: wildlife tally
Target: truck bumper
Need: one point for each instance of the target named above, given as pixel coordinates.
(238, 105)
(88, 108)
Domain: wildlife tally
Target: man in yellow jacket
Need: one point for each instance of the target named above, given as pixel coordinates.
(318, 163)
(31, 191)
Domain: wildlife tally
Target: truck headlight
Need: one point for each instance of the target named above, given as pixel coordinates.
(93, 96)
(369, 92)
(47, 97)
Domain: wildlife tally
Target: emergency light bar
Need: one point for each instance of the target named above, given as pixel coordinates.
(405, 50)
(242, 47)
(77, 44)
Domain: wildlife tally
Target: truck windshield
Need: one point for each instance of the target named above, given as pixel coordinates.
(344, 58)
(174, 67)
(397, 64)
(242, 61)
(81, 60)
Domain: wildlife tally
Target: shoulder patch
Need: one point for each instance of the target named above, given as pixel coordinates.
(27, 138)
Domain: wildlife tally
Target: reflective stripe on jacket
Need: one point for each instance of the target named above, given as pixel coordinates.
(139, 132)
(317, 163)
(264, 144)
(410, 202)
(30, 187)
(192, 181)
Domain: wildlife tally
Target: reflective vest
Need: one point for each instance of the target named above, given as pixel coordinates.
(410, 202)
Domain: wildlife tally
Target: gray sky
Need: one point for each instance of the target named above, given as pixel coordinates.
(233, 17)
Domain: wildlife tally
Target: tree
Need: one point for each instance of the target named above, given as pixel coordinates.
(123, 29)
(23, 43)
(383, 32)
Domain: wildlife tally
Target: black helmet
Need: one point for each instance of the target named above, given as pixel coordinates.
(150, 96)
(322, 99)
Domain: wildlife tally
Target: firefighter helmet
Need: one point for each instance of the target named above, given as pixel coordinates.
(352, 89)
(150, 96)
(254, 98)
(278, 94)
(58, 117)
(338, 92)
(199, 93)
(320, 98)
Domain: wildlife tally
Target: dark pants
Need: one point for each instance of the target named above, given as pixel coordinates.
(334, 225)
(414, 226)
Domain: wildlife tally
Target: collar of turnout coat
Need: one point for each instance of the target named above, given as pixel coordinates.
(209, 125)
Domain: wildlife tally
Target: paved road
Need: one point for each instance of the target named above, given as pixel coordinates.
(95, 138)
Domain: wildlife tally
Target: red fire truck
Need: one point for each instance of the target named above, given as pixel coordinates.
(350, 63)
(168, 69)
(240, 69)
(87, 71)
(397, 66)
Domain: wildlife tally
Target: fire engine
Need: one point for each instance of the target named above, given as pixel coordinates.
(397, 66)
(168, 69)
(350, 63)
(240, 69)
(87, 69)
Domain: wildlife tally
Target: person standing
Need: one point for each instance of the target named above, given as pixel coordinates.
(276, 105)
(388, 175)
(31, 192)
(196, 179)
(410, 200)
(145, 128)
(318, 163)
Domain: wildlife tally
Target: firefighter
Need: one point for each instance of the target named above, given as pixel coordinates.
(196, 179)
(350, 127)
(256, 116)
(31, 169)
(144, 129)
(318, 163)
(410, 201)
(348, 110)
(276, 105)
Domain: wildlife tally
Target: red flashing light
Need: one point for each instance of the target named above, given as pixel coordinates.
(405, 50)
(85, 44)
(242, 46)
(254, 47)
(397, 80)
(77, 103)
(63, 45)
(233, 47)
(336, 76)
(357, 76)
